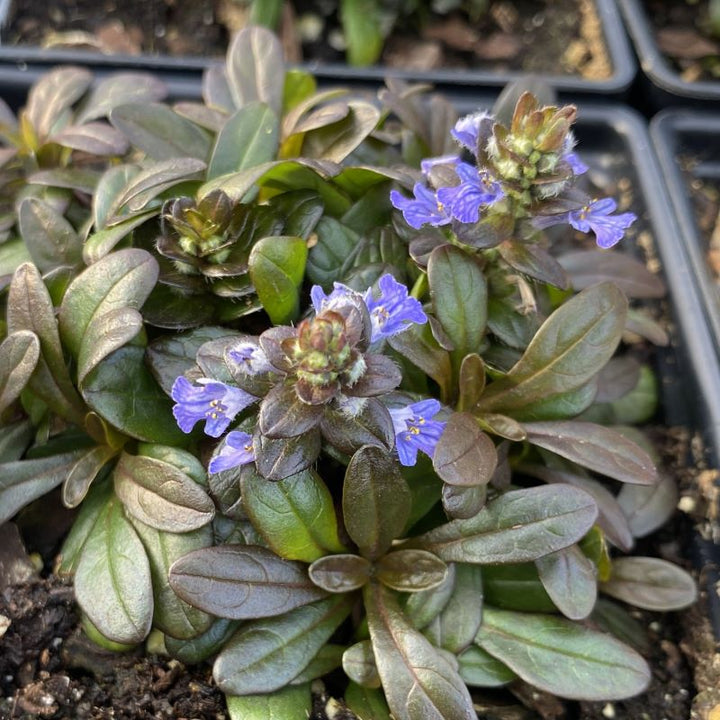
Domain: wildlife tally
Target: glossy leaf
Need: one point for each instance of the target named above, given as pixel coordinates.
(372, 426)
(533, 261)
(203, 646)
(421, 608)
(418, 681)
(19, 355)
(295, 516)
(459, 294)
(517, 526)
(570, 347)
(376, 501)
(122, 279)
(340, 573)
(516, 587)
(479, 668)
(255, 68)
(277, 268)
(100, 243)
(366, 703)
(541, 648)
(284, 415)
(120, 89)
(160, 132)
(335, 243)
(650, 583)
(460, 501)
(265, 655)
(454, 629)
(596, 447)
(51, 240)
(160, 495)
(53, 94)
(123, 392)
(570, 580)
(410, 570)
(95, 138)
(112, 581)
(289, 702)
(281, 458)
(171, 615)
(242, 582)
(84, 472)
(22, 481)
(471, 381)
(359, 664)
(464, 455)
(248, 138)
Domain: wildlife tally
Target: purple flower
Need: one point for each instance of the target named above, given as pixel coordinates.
(322, 301)
(594, 216)
(577, 166)
(235, 451)
(428, 164)
(476, 189)
(393, 310)
(212, 401)
(414, 430)
(250, 358)
(467, 130)
(423, 209)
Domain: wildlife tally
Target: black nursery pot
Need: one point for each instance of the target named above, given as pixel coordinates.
(661, 85)
(21, 66)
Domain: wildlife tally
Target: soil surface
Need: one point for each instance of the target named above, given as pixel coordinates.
(687, 37)
(544, 36)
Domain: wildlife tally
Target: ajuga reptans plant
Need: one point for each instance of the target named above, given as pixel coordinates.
(321, 410)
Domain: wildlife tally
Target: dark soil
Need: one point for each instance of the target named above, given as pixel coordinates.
(684, 35)
(543, 36)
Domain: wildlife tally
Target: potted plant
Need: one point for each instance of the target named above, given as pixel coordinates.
(314, 405)
(678, 49)
(585, 50)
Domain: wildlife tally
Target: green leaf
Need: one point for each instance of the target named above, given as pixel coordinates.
(13, 253)
(100, 243)
(119, 89)
(481, 669)
(265, 655)
(570, 580)
(22, 481)
(160, 495)
(562, 657)
(517, 526)
(15, 440)
(248, 138)
(359, 664)
(49, 237)
(516, 587)
(464, 455)
(295, 516)
(335, 243)
(242, 582)
(172, 615)
(455, 627)
(255, 68)
(19, 355)
(327, 659)
(299, 86)
(361, 23)
(418, 681)
(109, 190)
(366, 703)
(203, 646)
(294, 701)
(122, 279)
(124, 393)
(650, 583)
(281, 458)
(94, 138)
(376, 501)
(459, 294)
(277, 268)
(596, 447)
(112, 581)
(160, 132)
(410, 570)
(29, 307)
(421, 608)
(337, 140)
(570, 347)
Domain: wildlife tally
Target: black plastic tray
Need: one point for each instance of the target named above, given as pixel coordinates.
(20, 66)
(664, 86)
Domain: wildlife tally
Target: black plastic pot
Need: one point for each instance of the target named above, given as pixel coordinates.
(21, 66)
(662, 84)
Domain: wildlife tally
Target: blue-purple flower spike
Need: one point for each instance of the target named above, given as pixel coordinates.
(250, 359)
(467, 130)
(415, 430)
(237, 450)
(212, 401)
(394, 310)
(476, 190)
(322, 301)
(423, 209)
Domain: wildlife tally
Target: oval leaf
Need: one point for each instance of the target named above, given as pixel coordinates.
(410, 570)
(340, 573)
(562, 657)
(242, 582)
(358, 662)
(570, 579)
(294, 701)
(19, 354)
